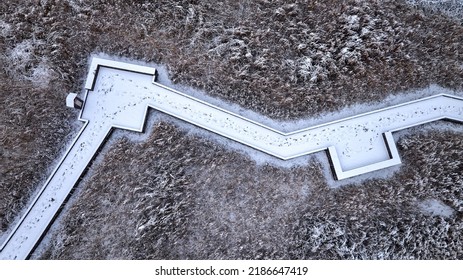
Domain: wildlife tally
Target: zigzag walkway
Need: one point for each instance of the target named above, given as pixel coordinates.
(118, 96)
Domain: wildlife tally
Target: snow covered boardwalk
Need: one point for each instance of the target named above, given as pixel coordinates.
(118, 95)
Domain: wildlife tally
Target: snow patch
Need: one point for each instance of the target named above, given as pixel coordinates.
(435, 207)
(5, 28)
(450, 8)
(136, 137)
(24, 64)
(23, 51)
(42, 74)
(75, 4)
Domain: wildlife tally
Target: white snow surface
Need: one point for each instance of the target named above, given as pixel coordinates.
(5, 28)
(117, 98)
(358, 141)
(450, 8)
(435, 207)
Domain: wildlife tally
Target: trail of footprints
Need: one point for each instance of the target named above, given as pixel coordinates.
(118, 95)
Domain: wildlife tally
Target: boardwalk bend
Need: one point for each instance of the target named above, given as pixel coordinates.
(119, 94)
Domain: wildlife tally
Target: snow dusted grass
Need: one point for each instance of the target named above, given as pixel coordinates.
(386, 218)
(282, 59)
(278, 58)
(177, 190)
(35, 129)
(181, 196)
(201, 197)
(450, 8)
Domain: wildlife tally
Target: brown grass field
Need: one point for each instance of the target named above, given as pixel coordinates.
(178, 195)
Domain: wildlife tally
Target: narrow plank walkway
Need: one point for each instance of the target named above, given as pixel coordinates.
(118, 95)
